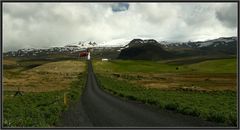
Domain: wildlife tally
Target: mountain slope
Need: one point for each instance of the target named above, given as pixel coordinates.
(223, 45)
(139, 49)
(153, 50)
(144, 50)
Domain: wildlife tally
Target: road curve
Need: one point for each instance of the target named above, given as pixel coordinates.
(100, 109)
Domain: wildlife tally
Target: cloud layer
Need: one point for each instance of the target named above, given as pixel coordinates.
(41, 25)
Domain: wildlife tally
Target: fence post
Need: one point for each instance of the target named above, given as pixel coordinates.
(65, 99)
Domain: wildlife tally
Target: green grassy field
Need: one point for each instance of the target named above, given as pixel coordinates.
(210, 94)
(43, 87)
(216, 66)
(32, 109)
(223, 66)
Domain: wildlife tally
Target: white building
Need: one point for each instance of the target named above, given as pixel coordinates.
(88, 57)
(104, 59)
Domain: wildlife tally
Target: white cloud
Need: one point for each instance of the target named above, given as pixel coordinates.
(42, 25)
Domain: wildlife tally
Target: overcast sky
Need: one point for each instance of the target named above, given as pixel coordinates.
(42, 25)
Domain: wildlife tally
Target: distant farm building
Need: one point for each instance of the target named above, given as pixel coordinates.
(83, 54)
(104, 59)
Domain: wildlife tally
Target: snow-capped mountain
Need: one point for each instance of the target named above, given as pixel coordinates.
(81, 44)
(86, 44)
(68, 48)
(222, 44)
(222, 41)
(115, 43)
(91, 44)
(151, 49)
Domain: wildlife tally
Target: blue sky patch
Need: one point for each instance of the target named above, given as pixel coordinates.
(120, 7)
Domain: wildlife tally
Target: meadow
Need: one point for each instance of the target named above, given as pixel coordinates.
(42, 84)
(206, 89)
(208, 66)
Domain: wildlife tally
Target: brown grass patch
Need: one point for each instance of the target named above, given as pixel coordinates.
(174, 81)
(9, 62)
(48, 77)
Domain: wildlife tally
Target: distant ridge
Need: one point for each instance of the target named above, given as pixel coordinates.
(139, 49)
(153, 50)
(148, 49)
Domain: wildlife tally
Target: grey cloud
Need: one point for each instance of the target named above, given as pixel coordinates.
(156, 13)
(57, 24)
(196, 14)
(228, 15)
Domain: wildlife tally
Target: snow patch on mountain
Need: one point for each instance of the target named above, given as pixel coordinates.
(115, 43)
(198, 44)
(123, 43)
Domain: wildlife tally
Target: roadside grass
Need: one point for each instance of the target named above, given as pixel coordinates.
(200, 76)
(76, 88)
(206, 89)
(217, 106)
(33, 109)
(43, 88)
(175, 81)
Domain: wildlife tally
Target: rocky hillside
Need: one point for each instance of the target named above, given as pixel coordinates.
(152, 50)
(223, 44)
(144, 50)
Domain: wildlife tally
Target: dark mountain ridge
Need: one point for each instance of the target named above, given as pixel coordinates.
(149, 49)
(139, 49)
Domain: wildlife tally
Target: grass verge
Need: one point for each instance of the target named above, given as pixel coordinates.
(217, 106)
(33, 109)
(40, 108)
